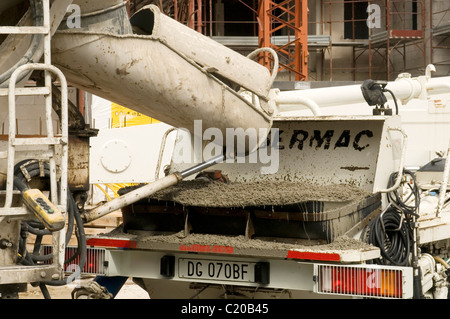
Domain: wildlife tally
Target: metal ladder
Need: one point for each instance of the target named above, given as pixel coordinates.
(34, 149)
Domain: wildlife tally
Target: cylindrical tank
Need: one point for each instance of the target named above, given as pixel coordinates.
(149, 74)
(210, 54)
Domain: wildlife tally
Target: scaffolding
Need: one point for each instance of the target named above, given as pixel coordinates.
(371, 39)
(343, 40)
(194, 13)
(289, 19)
(402, 39)
(280, 25)
(341, 23)
(440, 33)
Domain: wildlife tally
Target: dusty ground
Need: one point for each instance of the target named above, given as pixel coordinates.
(129, 291)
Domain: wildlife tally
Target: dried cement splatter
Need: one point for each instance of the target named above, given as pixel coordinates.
(217, 194)
(241, 242)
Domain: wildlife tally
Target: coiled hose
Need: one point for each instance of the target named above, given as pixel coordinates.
(392, 230)
(34, 169)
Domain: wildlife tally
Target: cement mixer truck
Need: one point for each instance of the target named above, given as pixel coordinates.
(266, 194)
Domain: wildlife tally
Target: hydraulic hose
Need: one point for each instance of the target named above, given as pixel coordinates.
(391, 231)
(23, 171)
(395, 197)
(82, 249)
(391, 234)
(395, 100)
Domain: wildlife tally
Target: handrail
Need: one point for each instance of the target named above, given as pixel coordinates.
(12, 128)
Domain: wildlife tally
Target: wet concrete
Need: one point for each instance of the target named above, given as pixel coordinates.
(218, 194)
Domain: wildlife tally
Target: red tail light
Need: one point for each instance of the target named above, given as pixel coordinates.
(95, 258)
(360, 281)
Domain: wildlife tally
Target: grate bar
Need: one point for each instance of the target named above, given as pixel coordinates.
(95, 260)
(361, 281)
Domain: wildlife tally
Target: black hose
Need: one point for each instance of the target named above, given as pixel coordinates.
(22, 249)
(82, 249)
(33, 169)
(392, 235)
(20, 185)
(72, 209)
(395, 197)
(38, 229)
(392, 230)
(45, 291)
(417, 284)
(393, 97)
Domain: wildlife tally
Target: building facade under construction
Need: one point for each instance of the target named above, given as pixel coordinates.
(326, 40)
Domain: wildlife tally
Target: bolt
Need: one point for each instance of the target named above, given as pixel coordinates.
(5, 243)
(55, 276)
(43, 274)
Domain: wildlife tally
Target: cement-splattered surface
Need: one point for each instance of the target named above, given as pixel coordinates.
(251, 194)
(218, 194)
(240, 243)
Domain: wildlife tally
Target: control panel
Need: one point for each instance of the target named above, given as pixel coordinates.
(44, 209)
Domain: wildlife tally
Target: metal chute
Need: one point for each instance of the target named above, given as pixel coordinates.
(162, 75)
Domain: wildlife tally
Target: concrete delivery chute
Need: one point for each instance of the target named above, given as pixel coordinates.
(162, 75)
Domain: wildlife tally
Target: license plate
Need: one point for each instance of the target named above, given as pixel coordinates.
(216, 270)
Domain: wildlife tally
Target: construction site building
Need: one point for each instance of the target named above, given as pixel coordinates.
(326, 40)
